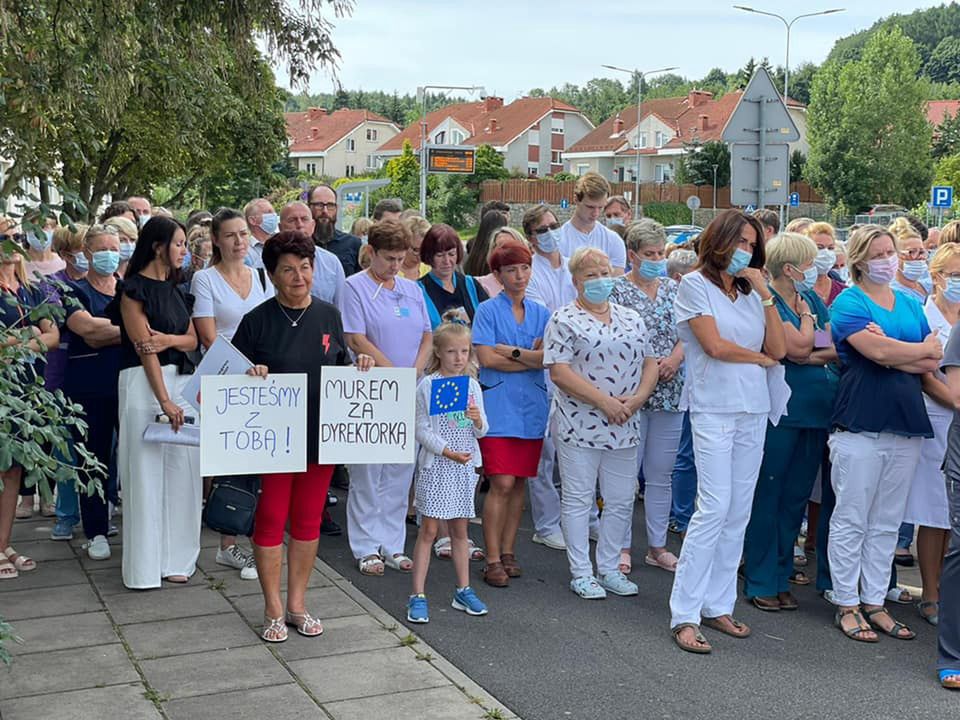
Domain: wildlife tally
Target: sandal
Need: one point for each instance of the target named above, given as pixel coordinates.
(799, 557)
(626, 562)
(495, 575)
(511, 565)
(798, 577)
(899, 595)
(20, 562)
(305, 623)
(371, 565)
(476, 553)
(894, 631)
(7, 569)
(665, 560)
(442, 548)
(934, 617)
(767, 603)
(177, 579)
(24, 510)
(949, 679)
(735, 628)
(274, 630)
(398, 562)
(787, 601)
(854, 633)
(701, 648)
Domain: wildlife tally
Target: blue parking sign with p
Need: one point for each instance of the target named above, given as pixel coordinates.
(941, 196)
(794, 199)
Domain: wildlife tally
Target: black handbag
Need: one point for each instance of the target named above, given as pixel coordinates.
(232, 504)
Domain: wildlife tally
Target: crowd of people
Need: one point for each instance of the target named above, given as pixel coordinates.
(744, 385)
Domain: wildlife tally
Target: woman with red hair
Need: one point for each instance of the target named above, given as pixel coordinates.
(508, 336)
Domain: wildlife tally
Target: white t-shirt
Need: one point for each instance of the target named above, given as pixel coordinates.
(937, 322)
(328, 277)
(716, 386)
(213, 297)
(551, 287)
(600, 237)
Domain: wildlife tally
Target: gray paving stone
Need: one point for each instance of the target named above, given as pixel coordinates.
(47, 602)
(283, 702)
(215, 672)
(208, 538)
(114, 561)
(445, 703)
(27, 530)
(189, 635)
(126, 702)
(45, 549)
(341, 635)
(233, 586)
(109, 581)
(362, 674)
(139, 607)
(47, 574)
(63, 670)
(323, 603)
(70, 631)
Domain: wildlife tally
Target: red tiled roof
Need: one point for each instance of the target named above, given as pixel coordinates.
(937, 110)
(316, 130)
(477, 119)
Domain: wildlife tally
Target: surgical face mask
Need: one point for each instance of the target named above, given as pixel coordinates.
(80, 262)
(40, 244)
(187, 259)
(548, 241)
(142, 220)
(952, 290)
(882, 270)
(650, 269)
(844, 274)
(106, 262)
(824, 261)
(269, 223)
(740, 261)
(809, 279)
(915, 269)
(126, 251)
(597, 290)
(611, 221)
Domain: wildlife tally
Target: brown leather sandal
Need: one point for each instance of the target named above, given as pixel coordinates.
(495, 575)
(735, 628)
(511, 565)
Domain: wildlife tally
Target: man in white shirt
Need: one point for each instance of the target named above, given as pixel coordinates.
(590, 194)
(328, 276)
(263, 222)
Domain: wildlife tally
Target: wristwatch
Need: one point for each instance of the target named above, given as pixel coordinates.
(515, 354)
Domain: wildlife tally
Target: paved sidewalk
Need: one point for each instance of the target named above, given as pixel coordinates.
(93, 649)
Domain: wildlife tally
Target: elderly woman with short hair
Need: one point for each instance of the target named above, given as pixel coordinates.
(128, 231)
(604, 365)
(825, 238)
(444, 287)
(793, 449)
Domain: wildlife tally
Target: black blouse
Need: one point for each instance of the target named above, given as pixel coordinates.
(167, 308)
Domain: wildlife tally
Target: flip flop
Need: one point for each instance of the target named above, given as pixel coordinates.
(702, 649)
(715, 624)
(953, 684)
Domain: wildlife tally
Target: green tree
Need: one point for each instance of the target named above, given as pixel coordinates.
(946, 138)
(869, 138)
(944, 63)
(948, 171)
(698, 161)
(798, 166)
(404, 174)
(800, 80)
(488, 165)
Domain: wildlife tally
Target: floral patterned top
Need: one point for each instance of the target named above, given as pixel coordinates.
(608, 356)
(662, 328)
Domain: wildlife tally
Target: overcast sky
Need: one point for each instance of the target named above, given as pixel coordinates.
(511, 46)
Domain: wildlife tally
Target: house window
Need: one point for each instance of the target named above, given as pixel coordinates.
(350, 171)
(533, 137)
(456, 137)
(643, 140)
(583, 168)
(351, 145)
(556, 157)
(659, 139)
(371, 134)
(662, 173)
(311, 168)
(533, 169)
(556, 126)
(371, 162)
(440, 138)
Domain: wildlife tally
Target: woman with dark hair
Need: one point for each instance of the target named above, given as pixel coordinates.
(479, 250)
(508, 337)
(731, 332)
(444, 287)
(283, 335)
(161, 482)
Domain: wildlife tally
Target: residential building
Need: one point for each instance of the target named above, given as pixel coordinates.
(939, 110)
(341, 143)
(668, 127)
(531, 133)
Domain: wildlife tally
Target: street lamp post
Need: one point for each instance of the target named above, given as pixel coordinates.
(788, 24)
(640, 77)
(715, 166)
(422, 99)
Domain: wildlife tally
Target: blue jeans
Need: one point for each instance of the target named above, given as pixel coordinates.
(684, 479)
(68, 504)
(905, 538)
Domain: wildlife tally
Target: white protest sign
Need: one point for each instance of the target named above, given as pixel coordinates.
(221, 358)
(251, 425)
(367, 418)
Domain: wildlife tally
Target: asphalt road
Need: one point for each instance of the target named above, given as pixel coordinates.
(547, 654)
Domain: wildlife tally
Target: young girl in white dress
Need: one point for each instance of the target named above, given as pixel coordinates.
(448, 461)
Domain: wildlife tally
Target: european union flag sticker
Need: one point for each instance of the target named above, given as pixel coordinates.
(449, 395)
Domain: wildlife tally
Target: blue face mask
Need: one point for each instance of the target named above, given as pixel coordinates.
(126, 251)
(650, 269)
(106, 262)
(952, 291)
(269, 223)
(809, 279)
(38, 244)
(740, 261)
(611, 221)
(187, 259)
(80, 262)
(143, 220)
(915, 269)
(597, 290)
(549, 241)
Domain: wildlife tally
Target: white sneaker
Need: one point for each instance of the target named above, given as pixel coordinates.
(554, 541)
(238, 559)
(98, 548)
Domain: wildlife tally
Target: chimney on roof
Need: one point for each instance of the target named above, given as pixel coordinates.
(703, 122)
(314, 132)
(696, 98)
(493, 125)
(315, 113)
(618, 125)
(491, 103)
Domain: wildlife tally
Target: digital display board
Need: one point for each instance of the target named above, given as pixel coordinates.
(450, 160)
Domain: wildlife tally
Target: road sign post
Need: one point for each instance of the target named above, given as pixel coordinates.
(693, 202)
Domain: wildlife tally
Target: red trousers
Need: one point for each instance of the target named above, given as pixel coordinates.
(297, 497)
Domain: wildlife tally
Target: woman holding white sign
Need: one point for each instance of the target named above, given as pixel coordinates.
(293, 332)
(224, 293)
(384, 316)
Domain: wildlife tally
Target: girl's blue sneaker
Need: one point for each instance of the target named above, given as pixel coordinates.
(467, 601)
(417, 611)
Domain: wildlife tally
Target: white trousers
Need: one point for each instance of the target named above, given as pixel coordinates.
(580, 468)
(377, 508)
(872, 473)
(544, 498)
(727, 448)
(659, 438)
(162, 488)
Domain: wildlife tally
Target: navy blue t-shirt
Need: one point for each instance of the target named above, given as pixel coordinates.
(91, 372)
(871, 397)
(15, 309)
